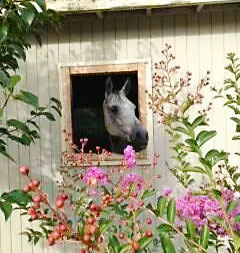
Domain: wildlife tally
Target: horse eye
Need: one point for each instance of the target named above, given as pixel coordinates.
(114, 109)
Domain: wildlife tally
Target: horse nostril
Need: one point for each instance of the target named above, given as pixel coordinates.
(142, 135)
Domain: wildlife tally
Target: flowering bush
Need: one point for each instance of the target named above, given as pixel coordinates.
(110, 209)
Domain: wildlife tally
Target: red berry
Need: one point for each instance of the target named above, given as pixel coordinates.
(121, 235)
(59, 203)
(24, 170)
(149, 221)
(30, 185)
(34, 216)
(37, 198)
(93, 207)
(82, 251)
(50, 241)
(63, 196)
(86, 238)
(90, 220)
(62, 228)
(26, 188)
(56, 235)
(31, 211)
(148, 233)
(135, 245)
(92, 229)
(36, 205)
(36, 183)
(100, 239)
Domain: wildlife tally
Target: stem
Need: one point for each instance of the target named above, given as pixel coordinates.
(7, 99)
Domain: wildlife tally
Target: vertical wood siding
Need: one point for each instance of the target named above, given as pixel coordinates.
(200, 43)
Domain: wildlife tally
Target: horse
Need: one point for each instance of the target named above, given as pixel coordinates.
(120, 120)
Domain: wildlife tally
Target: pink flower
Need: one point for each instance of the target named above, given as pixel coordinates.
(132, 178)
(130, 156)
(95, 176)
(227, 195)
(93, 192)
(201, 209)
(167, 191)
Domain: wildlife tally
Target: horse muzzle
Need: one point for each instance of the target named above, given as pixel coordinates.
(139, 138)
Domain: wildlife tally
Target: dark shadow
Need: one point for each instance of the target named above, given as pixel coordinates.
(88, 92)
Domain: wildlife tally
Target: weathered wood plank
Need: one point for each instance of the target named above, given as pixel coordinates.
(109, 40)
(93, 6)
(86, 40)
(98, 40)
(121, 39)
(217, 73)
(74, 41)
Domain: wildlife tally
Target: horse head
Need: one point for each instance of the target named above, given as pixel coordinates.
(120, 119)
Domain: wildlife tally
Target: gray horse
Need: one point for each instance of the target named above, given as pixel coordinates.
(120, 120)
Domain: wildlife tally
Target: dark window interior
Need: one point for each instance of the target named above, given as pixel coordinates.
(87, 114)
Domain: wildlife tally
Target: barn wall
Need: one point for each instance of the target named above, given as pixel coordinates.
(200, 43)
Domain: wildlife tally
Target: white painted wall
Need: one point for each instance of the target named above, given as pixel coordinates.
(200, 43)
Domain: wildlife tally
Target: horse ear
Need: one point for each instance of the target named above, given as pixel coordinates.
(108, 86)
(126, 87)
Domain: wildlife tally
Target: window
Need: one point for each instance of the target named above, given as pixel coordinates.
(82, 90)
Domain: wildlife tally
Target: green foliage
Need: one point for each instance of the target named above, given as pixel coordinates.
(14, 197)
(18, 22)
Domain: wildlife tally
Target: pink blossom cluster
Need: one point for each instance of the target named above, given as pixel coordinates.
(132, 178)
(95, 176)
(200, 209)
(129, 156)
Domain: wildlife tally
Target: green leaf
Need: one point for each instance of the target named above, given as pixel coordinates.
(36, 239)
(34, 124)
(214, 156)
(204, 236)
(144, 242)
(18, 197)
(4, 152)
(186, 105)
(6, 208)
(191, 228)
(114, 243)
(237, 120)
(171, 211)
(13, 80)
(167, 244)
(1, 113)
(196, 169)
(231, 205)
(19, 125)
(236, 241)
(236, 176)
(3, 32)
(57, 110)
(28, 98)
(161, 204)
(28, 14)
(199, 121)
(234, 108)
(236, 138)
(57, 102)
(3, 78)
(49, 116)
(126, 248)
(204, 136)
(193, 144)
(147, 193)
(164, 228)
(181, 129)
(104, 226)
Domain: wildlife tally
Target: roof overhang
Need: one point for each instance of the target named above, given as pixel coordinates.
(84, 6)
